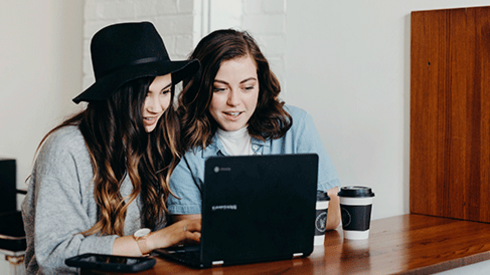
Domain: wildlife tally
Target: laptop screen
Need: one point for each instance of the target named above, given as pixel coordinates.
(258, 208)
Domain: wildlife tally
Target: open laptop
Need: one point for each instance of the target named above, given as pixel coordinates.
(254, 209)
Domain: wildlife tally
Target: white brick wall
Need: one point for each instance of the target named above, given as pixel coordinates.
(224, 14)
(265, 20)
(182, 23)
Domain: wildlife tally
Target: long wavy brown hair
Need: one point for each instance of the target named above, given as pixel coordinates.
(269, 120)
(119, 146)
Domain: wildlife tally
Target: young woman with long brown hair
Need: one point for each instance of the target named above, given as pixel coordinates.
(232, 107)
(100, 180)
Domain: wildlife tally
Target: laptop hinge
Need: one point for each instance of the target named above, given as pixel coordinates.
(297, 255)
(217, 262)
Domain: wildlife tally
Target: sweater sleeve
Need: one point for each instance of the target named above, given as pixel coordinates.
(59, 206)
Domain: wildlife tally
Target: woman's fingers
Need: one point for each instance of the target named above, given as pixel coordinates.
(192, 237)
(192, 225)
(189, 225)
(192, 231)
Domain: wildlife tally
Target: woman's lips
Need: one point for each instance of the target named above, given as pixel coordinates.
(149, 121)
(233, 115)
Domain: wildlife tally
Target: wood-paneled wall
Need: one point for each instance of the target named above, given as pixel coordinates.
(450, 113)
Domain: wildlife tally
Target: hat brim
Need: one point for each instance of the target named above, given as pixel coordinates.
(106, 85)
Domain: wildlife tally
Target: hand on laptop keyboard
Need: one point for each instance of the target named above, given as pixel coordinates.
(182, 232)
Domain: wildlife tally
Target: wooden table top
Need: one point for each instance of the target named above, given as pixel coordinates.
(407, 244)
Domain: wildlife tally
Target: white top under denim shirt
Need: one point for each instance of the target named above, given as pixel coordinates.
(237, 142)
(187, 179)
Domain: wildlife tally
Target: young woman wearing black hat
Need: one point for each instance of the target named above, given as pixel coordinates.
(100, 179)
(231, 107)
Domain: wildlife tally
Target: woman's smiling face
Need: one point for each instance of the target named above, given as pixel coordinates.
(157, 101)
(235, 93)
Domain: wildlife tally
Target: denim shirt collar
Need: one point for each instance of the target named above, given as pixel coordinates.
(216, 147)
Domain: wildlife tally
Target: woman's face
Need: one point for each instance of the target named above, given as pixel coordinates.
(235, 93)
(157, 101)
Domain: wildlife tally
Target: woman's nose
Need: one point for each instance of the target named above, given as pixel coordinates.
(233, 98)
(153, 105)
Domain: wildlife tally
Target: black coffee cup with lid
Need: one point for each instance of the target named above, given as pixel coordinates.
(355, 206)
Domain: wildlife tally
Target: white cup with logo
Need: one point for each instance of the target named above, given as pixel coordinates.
(322, 200)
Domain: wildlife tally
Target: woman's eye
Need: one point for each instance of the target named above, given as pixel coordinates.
(164, 92)
(248, 88)
(216, 89)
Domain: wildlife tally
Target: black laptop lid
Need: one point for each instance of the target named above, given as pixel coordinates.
(258, 208)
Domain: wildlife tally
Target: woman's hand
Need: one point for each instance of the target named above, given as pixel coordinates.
(182, 232)
(333, 217)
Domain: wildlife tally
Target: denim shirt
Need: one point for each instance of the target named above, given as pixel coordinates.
(188, 177)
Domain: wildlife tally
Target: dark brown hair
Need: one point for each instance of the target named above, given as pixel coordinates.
(118, 145)
(269, 120)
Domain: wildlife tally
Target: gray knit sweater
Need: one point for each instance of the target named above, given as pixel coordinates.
(60, 204)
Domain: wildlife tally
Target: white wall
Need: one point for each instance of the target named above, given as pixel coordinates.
(265, 20)
(40, 71)
(348, 64)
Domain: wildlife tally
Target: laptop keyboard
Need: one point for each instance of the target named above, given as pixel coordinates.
(192, 256)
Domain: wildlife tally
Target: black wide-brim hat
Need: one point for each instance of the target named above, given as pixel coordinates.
(127, 51)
